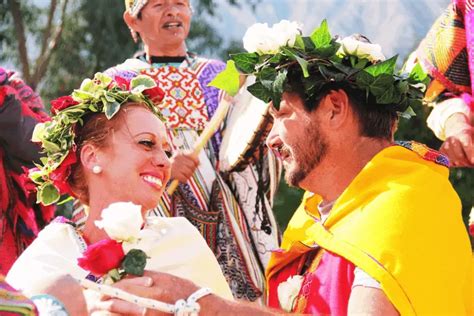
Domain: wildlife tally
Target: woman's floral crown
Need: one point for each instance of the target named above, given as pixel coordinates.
(102, 94)
(322, 61)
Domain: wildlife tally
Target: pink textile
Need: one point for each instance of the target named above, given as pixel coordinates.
(467, 8)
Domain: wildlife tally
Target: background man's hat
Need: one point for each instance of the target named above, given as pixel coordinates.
(134, 6)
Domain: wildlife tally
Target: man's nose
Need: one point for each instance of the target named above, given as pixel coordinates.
(273, 139)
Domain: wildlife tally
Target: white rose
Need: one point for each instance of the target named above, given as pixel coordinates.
(352, 46)
(258, 39)
(122, 221)
(263, 40)
(285, 32)
(288, 291)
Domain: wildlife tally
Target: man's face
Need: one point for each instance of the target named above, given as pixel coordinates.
(297, 138)
(164, 21)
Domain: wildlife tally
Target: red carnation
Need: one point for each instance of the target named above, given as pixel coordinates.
(122, 83)
(62, 103)
(62, 172)
(155, 94)
(101, 257)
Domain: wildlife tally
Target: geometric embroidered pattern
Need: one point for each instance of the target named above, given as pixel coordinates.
(425, 152)
(183, 105)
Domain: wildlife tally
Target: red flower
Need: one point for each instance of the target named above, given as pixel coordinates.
(122, 83)
(155, 94)
(471, 229)
(61, 174)
(62, 103)
(101, 257)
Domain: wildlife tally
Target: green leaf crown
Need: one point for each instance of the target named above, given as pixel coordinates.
(102, 94)
(320, 61)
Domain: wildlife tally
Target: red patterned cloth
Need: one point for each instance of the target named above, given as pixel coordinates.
(20, 217)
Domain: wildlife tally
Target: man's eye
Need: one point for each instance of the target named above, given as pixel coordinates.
(147, 143)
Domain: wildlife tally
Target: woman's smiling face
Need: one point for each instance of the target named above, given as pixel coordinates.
(135, 164)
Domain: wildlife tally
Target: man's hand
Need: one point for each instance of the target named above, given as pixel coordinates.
(459, 144)
(183, 165)
(158, 286)
(104, 305)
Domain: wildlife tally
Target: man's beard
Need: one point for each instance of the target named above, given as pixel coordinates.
(306, 155)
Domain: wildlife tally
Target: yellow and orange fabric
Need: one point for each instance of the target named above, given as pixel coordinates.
(400, 221)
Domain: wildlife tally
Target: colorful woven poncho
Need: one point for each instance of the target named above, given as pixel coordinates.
(447, 52)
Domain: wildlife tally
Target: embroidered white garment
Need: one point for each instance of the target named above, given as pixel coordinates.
(173, 244)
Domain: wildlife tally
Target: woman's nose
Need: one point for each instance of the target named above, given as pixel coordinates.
(161, 160)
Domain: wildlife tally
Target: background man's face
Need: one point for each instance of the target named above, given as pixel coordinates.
(297, 138)
(165, 21)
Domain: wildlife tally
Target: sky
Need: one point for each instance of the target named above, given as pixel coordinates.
(397, 25)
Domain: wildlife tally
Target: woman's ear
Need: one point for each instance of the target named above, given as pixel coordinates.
(89, 157)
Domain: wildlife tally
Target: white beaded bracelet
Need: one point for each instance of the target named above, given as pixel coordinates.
(182, 307)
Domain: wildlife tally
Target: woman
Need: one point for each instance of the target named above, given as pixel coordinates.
(231, 210)
(106, 144)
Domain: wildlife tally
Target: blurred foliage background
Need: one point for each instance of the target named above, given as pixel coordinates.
(92, 37)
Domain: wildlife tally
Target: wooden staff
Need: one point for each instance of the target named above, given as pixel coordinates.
(206, 134)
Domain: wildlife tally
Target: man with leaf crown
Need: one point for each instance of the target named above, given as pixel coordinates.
(233, 209)
(379, 231)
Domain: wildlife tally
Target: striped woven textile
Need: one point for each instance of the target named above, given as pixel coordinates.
(13, 302)
(447, 51)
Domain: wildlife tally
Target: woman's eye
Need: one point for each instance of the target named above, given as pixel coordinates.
(168, 153)
(147, 143)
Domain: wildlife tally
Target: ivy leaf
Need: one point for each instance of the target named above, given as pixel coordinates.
(48, 194)
(260, 92)
(267, 76)
(390, 96)
(228, 79)
(83, 95)
(141, 83)
(381, 84)
(245, 62)
(408, 113)
(403, 87)
(417, 74)
(279, 82)
(111, 108)
(385, 67)
(304, 66)
(308, 43)
(299, 42)
(321, 36)
(134, 262)
(50, 146)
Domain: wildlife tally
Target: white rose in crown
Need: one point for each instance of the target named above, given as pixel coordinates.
(122, 221)
(288, 291)
(262, 39)
(352, 46)
(285, 32)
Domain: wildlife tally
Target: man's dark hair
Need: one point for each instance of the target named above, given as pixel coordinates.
(375, 120)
